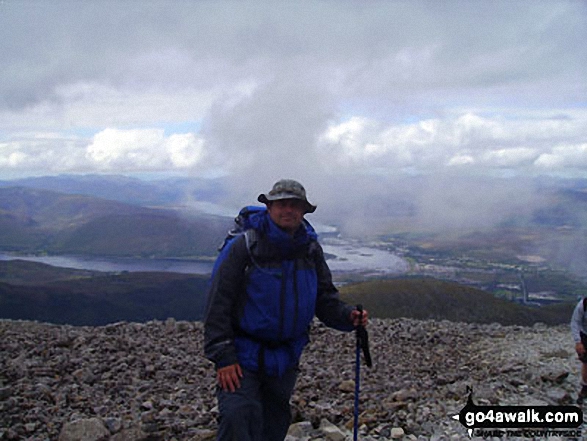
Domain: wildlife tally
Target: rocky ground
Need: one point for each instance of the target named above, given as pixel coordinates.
(130, 381)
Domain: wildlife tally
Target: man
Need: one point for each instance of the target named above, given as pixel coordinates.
(579, 333)
(267, 285)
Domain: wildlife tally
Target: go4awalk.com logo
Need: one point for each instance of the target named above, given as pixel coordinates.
(522, 421)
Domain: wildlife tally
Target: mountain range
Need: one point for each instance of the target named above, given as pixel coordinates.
(40, 292)
(116, 216)
(43, 221)
(125, 189)
(36, 291)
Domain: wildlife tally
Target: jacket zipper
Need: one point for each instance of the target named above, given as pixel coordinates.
(296, 296)
(282, 299)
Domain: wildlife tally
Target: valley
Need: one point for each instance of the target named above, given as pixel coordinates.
(97, 249)
(503, 269)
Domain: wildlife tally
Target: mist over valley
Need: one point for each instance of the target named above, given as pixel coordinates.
(123, 231)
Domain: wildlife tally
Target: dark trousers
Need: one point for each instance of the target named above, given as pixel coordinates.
(584, 341)
(259, 410)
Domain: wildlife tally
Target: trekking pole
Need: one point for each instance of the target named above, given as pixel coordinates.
(357, 380)
(361, 343)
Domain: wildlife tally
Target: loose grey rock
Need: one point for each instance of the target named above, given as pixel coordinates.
(330, 432)
(300, 430)
(347, 386)
(397, 432)
(150, 381)
(91, 429)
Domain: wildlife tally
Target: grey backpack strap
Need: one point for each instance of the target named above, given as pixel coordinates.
(251, 237)
(250, 240)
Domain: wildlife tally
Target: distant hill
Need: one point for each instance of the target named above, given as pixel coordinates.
(34, 291)
(427, 298)
(126, 189)
(33, 221)
(21, 272)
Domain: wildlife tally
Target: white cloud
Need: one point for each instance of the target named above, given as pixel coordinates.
(143, 150)
(113, 148)
(524, 142)
(511, 157)
(306, 89)
(110, 150)
(38, 154)
(185, 150)
(11, 159)
(461, 160)
(564, 156)
(353, 139)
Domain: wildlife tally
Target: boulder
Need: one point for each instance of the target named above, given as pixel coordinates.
(90, 429)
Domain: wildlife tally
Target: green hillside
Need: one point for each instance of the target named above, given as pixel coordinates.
(40, 221)
(36, 291)
(152, 234)
(426, 298)
(95, 301)
(21, 272)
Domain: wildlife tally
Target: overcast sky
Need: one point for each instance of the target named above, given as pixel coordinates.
(303, 89)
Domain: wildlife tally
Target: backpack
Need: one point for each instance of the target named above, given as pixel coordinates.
(242, 225)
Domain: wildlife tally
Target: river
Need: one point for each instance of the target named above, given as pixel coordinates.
(349, 257)
(114, 264)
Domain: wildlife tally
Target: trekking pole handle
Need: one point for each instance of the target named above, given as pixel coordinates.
(359, 309)
(363, 337)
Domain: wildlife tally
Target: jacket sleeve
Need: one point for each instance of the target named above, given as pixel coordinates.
(330, 310)
(226, 288)
(577, 322)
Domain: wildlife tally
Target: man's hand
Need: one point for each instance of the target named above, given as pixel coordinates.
(229, 377)
(355, 317)
(580, 349)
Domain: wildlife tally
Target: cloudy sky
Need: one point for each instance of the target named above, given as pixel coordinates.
(304, 89)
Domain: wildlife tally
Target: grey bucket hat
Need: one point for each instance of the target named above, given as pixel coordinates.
(287, 189)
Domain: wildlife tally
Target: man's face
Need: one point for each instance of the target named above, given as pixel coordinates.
(287, 213)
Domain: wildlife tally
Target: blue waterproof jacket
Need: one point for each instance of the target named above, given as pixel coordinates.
(265, 289)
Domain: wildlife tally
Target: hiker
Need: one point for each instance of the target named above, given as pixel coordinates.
(267, 285)
(579, 333)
